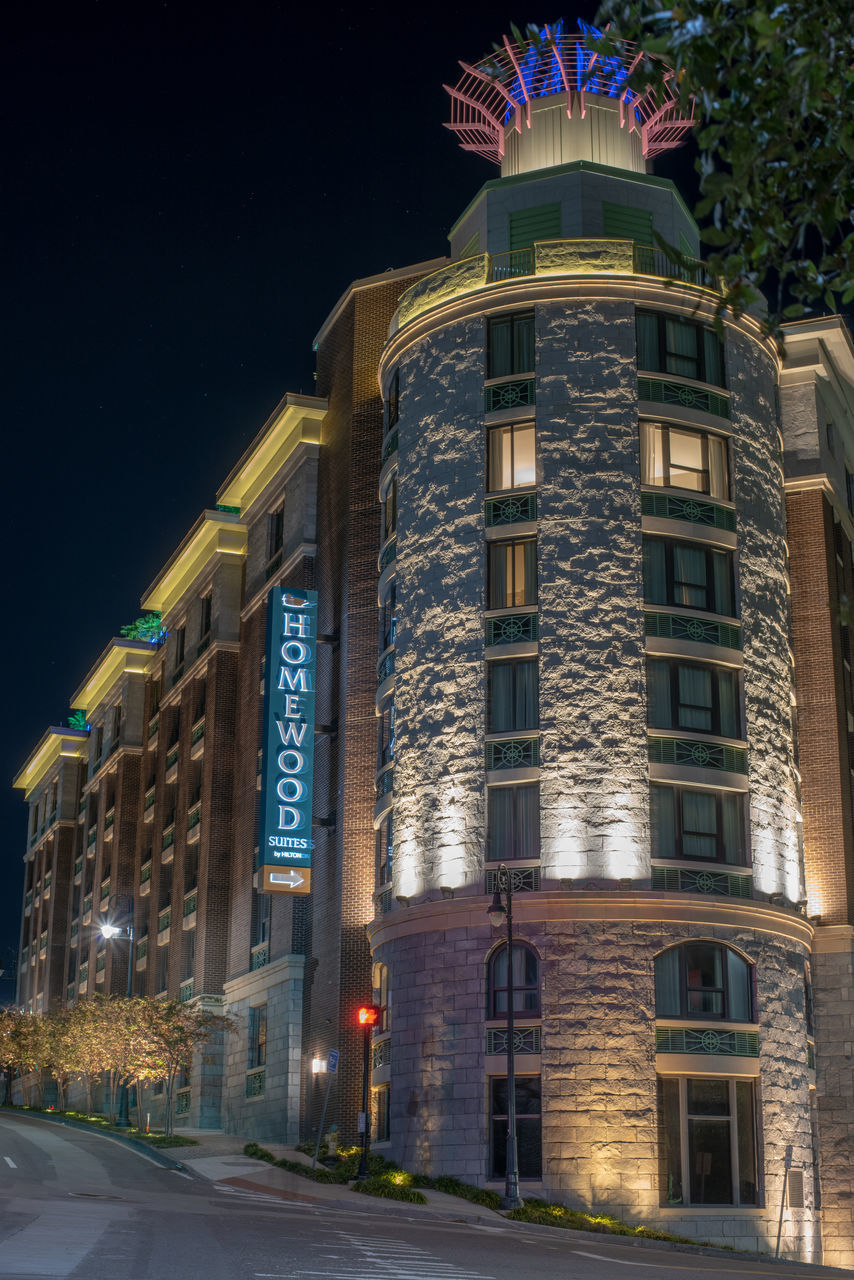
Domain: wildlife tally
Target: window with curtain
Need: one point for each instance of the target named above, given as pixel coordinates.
(671, 344)
(692, 696)
(526, 981)
(511, 462)
(707, 1142)
(688, 823)
(513, 822)
(510, 345)
(512, 697)
(528, 1126)
(704, 980)
(688, 575)
(511, 573)
(678, 458)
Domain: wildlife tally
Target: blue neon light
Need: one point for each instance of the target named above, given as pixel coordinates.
(540, 72)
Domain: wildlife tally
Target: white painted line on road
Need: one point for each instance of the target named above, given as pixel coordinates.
(10, 1162)
(621, 1262)
(181, 1174)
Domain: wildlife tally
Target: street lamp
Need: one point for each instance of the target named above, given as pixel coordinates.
(122, 903)
(498, 915)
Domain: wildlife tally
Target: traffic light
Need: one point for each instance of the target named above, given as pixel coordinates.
(369, 1015)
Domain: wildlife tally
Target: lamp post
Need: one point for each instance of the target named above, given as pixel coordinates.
(122, 903)
(498, 915)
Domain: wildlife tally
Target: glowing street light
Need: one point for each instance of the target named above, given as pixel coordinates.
(122, 903)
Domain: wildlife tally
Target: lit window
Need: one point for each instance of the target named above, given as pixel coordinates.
(703, 980)
(257, 1045)
(670, 344)
(512, 573)
(513, 822)
(512, 695)
(526, 982)
(380, 985)
(688, 823)
(707, 1142)
(691, 696)
(688, 575)
(510, 345)
(511, 457)
(381, 1113)
(528, 1126)
(676, 458)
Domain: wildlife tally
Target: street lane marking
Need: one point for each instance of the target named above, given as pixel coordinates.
(621, 1262)
(10, 1162)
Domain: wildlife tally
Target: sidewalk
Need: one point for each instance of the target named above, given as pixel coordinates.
(219, 1158)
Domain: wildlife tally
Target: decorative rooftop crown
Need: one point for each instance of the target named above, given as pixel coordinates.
(498, 91)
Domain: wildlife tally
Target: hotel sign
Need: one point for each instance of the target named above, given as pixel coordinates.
(285, 841)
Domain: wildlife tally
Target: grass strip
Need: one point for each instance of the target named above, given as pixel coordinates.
(556, 1215)
(103, 1126)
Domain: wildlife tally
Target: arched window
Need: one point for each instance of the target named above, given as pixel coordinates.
(703, 980)
(526, 981)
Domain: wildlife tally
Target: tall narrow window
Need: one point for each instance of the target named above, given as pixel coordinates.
(385, 849)
(511, 463)
(116, 730)
(528, 1126)
(687, 695)
(526, 982)
(674, 458)
(512, 695)
(205, 617)
(510, 345)
(394, 399)
(512, 573)
(694, 824)
(180, 645)
(688, 575)
(385, 735)
(513, 822)
(257, 1044)
(275, 530)
(390, 509)
(388, 618)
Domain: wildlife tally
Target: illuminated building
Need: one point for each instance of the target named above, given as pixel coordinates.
(583, 672)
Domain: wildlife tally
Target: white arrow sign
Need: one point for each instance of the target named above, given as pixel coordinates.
(291, 878)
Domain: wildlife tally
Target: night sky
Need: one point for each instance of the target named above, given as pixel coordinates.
(188, 190)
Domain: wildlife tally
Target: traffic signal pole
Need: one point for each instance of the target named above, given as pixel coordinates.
(368, 1017)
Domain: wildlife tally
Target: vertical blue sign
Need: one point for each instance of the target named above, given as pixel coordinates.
(285, 841)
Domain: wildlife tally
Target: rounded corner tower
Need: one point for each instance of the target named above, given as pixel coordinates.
(585, 691)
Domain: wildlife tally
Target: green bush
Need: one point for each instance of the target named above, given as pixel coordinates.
(389, 1190)
(557, 1215)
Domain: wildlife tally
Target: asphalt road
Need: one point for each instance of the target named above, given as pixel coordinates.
(78, 1206)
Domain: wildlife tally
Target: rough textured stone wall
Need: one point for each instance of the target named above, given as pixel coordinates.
(758, 493)
(594, 798)
(439, 680)
(833, 993)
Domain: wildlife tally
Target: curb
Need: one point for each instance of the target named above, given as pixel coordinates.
(142, 1148)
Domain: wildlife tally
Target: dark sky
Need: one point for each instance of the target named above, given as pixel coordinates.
(188, 190)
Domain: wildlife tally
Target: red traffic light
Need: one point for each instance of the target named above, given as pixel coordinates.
(369, 1015)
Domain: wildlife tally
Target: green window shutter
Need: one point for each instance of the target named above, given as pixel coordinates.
(623, 223)
(540, 223)
(685, 246)
(471, 247)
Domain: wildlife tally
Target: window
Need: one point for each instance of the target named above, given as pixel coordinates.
(115, 732)
(686, 695)
(707, 1142)
(275, 530)
(385, 735)
(512, 697)
(385, 849)
(688, 575)
(261, 912)
(528, 1125)
(849, 490)
(687, 823)
(394, 399)
(526, 982)
(188, 954)
(99, 742)
(675, 458)
(512, 573)
(703, 980)
(162, 978)
(510, 345)
(205, 619)
(388, 618)
(513, 822)
(390, 509)
(511, 459)
(381, 1131)
(257, 1055)
(808, 1005)
(669, 344)
(180, 643)
(381, 996)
